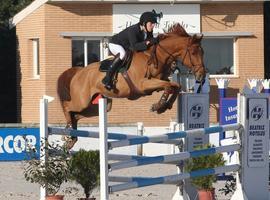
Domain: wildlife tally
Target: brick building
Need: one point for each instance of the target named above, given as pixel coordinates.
(54, 35)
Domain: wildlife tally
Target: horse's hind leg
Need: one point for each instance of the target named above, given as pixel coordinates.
(71, 123)
(73, 139)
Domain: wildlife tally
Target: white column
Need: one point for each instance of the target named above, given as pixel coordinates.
(103, 149)
(140, 129)
(43, 112)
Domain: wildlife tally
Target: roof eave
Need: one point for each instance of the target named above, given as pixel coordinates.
(25, 12)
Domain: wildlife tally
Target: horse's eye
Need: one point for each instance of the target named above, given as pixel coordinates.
(194, 52)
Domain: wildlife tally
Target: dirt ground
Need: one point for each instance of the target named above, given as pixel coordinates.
(13, 186)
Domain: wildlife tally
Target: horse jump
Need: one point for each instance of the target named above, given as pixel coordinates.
(257, 116)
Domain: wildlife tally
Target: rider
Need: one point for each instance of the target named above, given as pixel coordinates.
(137, 37)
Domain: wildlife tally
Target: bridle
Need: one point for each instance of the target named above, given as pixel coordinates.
(174, 67)
(174, 58)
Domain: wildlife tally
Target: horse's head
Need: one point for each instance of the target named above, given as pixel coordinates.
(192, 57)
(179, 44)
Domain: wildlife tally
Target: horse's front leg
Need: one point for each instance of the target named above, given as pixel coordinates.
(151, 85)
(161, 106)
(173, 97)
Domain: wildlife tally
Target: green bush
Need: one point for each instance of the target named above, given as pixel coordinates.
(204, 162)
(84, 169)
(53, 172)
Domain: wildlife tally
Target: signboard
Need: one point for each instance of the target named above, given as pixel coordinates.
(15, 143)
(198, 112)
(228, 111)
(255, 145)
(194, 109)
(257, 136)
(188, 15)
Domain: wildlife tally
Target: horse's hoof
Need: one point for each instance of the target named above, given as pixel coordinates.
(64, 138)
(154, 107)
(169, 107)
(162, 109)
(69, 142)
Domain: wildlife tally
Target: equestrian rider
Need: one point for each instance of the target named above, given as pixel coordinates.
(137, 37)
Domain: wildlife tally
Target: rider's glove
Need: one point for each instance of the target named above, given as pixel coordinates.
(153, 41)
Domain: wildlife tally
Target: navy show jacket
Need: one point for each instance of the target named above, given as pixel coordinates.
(132, 38)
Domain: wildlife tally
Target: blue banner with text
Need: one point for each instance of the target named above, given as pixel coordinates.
(19, 143)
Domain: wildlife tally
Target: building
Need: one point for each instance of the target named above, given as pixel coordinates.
(54, 35)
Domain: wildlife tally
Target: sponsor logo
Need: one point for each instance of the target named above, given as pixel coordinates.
(196, 111)
(257, 112)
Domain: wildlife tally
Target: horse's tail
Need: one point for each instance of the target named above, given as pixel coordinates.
(63, 84)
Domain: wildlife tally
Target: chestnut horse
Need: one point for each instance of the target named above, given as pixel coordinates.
(148, 72)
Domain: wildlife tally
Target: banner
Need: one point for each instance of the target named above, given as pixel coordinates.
(228, 111)
(188, 15)
(15, 143)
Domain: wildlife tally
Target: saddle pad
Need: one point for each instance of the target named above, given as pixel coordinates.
(105, 64)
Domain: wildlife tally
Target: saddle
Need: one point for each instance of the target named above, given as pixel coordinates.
(105, 64)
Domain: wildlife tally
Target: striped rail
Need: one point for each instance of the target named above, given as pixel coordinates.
(173, 135)
(173, 157)
(137, 182)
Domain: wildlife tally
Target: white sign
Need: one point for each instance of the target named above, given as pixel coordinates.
(188, 15)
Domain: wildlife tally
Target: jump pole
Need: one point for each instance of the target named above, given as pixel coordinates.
(103, 150)
(43, 111)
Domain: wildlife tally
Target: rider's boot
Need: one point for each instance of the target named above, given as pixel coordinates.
(108, 79)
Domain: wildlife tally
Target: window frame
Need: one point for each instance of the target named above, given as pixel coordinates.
(235, 63)
(103, 52)
(36, 58)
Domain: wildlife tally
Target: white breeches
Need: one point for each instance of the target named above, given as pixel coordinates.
(116, 48)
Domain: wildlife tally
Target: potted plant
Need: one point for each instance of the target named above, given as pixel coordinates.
(204, 184)
(50, 174)
(84, 169)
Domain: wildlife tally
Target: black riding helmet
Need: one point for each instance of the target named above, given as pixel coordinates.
(148, 17)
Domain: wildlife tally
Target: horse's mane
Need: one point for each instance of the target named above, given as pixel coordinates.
(175, 29)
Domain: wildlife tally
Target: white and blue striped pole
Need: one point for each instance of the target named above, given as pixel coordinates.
(137, 182)
(266, 86)
(174, 135)
(255, 85)
(222, 86)
(95, 134)
(173, 157)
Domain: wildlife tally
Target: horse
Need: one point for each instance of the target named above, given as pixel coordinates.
(149, 71)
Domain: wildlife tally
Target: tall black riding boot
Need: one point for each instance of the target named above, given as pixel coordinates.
(108, 79)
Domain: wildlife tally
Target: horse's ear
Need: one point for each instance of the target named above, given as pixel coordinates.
(200, 37)
(197, 38)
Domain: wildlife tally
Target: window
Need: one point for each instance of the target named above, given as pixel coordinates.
(77, 53)
(36, 64)
(219, 56)
(83, 47)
